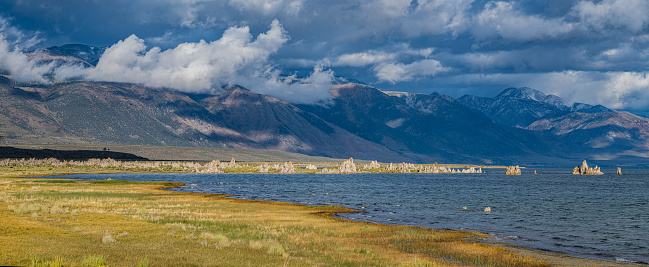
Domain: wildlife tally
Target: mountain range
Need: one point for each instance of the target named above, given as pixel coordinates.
(519, 126)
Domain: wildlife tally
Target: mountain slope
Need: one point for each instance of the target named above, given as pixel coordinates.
(430, 127)
(520, 107)
(362, 122)
(118, 113)
(111, 113)
(71, 53)
(278, 125)
(612, 130)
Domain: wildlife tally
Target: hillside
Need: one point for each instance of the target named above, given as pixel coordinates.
(361, 122)
(613, 134)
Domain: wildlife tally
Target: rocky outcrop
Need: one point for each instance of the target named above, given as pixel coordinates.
(513, 170)
(287, 168)
(347, 166)
(472, 170)
(264, 168)
(619, 171)
(373, 165)
(585, 170)
(310, 167)
(212, 167)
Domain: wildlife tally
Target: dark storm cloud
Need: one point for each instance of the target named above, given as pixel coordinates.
(586, 51)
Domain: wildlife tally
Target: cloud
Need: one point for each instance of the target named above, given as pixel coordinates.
(364, 58)
(314, 89)
(501, 19)
(594, 47)
(398, 72)
(19, 65)
(269, 7)
(189, 66)
(613, 14)
(614, 89)
(235, 58)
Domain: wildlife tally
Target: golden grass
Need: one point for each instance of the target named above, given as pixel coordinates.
(50, 223)
(93, 223)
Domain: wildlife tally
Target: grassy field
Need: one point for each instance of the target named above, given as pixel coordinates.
(118, 223)
(47, 222)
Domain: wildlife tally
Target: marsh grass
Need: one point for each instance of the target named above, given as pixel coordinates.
(94, 261)
(120, 222)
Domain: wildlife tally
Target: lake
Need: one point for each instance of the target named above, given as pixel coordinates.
(601, 217)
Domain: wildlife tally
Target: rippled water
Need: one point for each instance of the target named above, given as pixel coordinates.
(602, 217)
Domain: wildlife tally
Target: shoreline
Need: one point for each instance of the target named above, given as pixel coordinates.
(554, 258)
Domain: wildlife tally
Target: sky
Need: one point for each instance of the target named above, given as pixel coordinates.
(587, 51)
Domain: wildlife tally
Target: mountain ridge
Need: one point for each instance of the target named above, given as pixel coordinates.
(517, 126)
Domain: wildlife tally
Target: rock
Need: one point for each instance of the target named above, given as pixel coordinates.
(513, 170)
(212, 167)
(311, 167)
(263, 168)
(619, 171)
(576, 170)
(472, 170)
(287, 168)
(584, 167)
(587, 171)
(373, 165)
(347, 166)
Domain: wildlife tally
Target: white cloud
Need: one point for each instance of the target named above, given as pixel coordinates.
(396, 53)
(412, 20)
(502, 19)
(399, 72)
(19, 65)
(630, 14)
(364, 58)
(269, 7)
(189, 66)
(629, 89)
(313, 89)
(233, 59)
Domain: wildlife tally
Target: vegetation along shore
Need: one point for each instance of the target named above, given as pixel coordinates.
(59, 222)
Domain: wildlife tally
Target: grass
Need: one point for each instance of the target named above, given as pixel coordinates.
(116, 223)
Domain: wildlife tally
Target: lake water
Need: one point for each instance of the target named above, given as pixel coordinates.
(601, 217)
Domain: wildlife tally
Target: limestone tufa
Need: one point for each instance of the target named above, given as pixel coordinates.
(585, 170)
(287, 168)
(347, 166)
(373, 165)
(212, 167)
(513, 170)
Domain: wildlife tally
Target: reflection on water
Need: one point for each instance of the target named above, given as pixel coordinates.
(603, 217)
